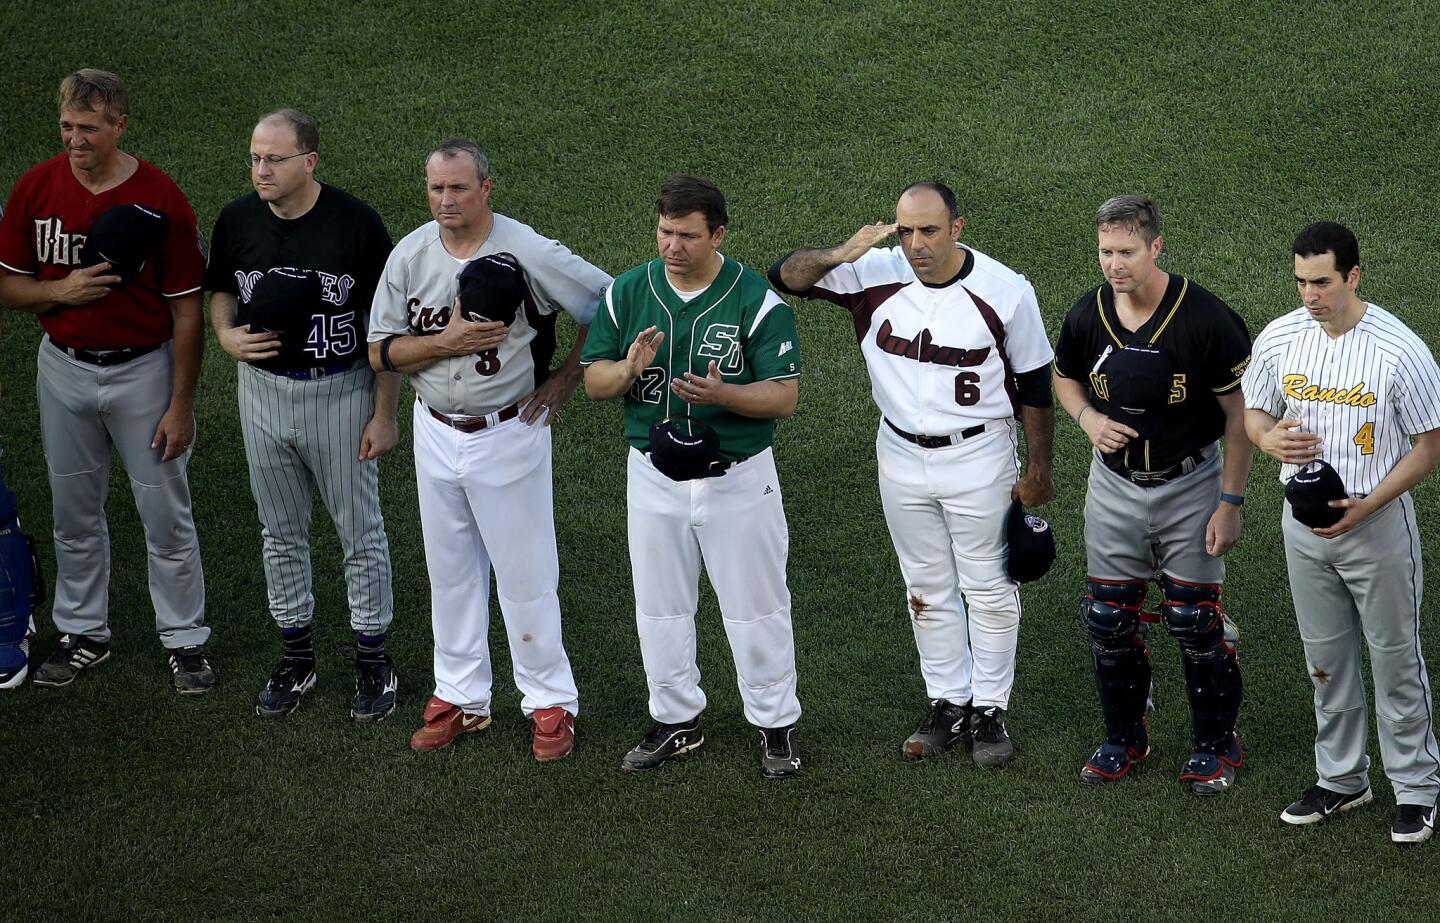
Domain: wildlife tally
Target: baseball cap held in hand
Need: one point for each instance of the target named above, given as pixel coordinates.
(1032, 545)
(1139, 378)
(491, 288)
(125, 237)
(282, 300)
(684, 448)
(1309, 493)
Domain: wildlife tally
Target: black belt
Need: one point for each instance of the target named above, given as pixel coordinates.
(476, 424)
(1155, 478)
(105, 356)
(318, 372)
(937, 442)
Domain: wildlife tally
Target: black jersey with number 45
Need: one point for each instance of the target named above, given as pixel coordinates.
(1207, 342)
(340, 238)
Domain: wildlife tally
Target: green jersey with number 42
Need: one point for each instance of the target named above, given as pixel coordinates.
(737, 322)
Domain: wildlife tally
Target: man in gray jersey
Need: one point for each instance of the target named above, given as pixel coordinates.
(1345, 384)
(466, 308)
(292, 271)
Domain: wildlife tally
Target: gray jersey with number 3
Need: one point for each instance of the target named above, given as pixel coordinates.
(419, 286)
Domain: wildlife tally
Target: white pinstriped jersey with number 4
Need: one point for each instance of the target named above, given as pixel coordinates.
(1364, 393)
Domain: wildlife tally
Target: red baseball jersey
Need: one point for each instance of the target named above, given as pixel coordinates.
(44, 227)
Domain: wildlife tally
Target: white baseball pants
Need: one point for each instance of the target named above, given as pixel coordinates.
(486, 497)
(735, 525)
(946, 512)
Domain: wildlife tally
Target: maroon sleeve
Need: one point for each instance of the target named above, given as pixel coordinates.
(182, 261)
(15, 250)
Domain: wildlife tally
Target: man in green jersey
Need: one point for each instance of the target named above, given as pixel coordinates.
(697, 338)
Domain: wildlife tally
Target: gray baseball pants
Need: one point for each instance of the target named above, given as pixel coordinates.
(1368, 584)
(84, 411)
(303, 432)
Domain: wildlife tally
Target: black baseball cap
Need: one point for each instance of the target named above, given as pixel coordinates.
(124, 237)
(1309, 493)
(282, 300)
(684, 448)
(1032, 545)
(492, 288)
(1139, 378)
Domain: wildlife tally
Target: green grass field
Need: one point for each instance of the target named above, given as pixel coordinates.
(1246, 121)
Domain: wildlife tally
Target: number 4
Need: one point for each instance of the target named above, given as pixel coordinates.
(1365, 439)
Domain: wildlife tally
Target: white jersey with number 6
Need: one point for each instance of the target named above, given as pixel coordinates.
(941, 357)
(1364, 393)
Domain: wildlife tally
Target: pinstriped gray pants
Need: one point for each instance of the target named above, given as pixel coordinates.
(298, 433)
(1366, 584)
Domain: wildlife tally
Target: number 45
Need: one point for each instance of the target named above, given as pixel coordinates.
(331, 334)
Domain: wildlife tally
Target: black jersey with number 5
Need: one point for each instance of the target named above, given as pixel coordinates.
(1207, 341)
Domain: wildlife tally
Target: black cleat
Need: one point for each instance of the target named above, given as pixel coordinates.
(1319, 803)
(376, 684)
(663, 742)
(779, 757)
(190, 671)
(947, 724)
(75, 654)
(1414, 824)
(292, 678)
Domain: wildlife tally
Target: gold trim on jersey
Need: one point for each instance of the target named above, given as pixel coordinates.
(1100, 309)
(1225, 389)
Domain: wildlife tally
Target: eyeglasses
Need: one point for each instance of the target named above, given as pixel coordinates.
(271, 160)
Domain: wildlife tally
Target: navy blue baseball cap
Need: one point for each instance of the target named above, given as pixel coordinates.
(1309, 493)
(1138, 378)
(282, 300)
(1032, 545)
(684, 448)
(492, 288)
(125, 237)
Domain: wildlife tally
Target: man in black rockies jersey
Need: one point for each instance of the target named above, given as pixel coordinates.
(1149, 365)
(311, 410)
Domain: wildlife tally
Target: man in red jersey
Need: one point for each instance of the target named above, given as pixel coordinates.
(117, 367)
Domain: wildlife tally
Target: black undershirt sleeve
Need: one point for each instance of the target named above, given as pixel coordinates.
(1033, 387)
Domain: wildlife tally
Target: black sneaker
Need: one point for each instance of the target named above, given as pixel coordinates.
(376, 683)
(947, 725)
(663, 742)
(1414, 824)
(190, 671)
(292, 678)
(1319, 803)
(993, 747)
(75, 653)
(779, 757)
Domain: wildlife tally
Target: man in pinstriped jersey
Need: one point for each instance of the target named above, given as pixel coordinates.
(1345, 382)
(311, 410)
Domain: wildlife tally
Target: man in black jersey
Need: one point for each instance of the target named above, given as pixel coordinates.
(1149, 365)
(293, 269)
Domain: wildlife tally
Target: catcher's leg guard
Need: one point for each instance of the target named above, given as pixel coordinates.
(1192, 614)
(1110, 612)
(19, 593)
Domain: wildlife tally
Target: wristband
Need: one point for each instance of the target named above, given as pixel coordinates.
(1081, 415)
(385, 354)
(1232, 499)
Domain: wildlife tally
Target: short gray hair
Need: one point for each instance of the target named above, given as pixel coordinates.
(1137, 212)
(455, 147)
